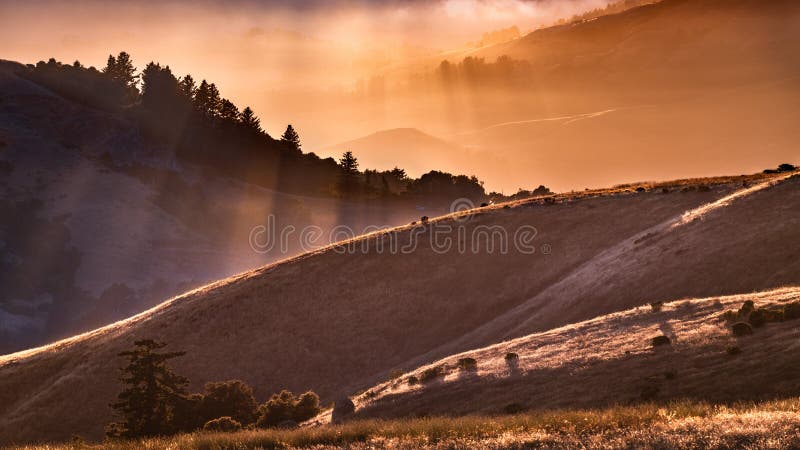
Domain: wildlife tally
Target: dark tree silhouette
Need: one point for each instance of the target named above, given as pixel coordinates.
(349, 163)
(249, 119)
(291, 139)
(348, 180)
(159, 87)
(187, 87)
(228, 111)
(153, 391)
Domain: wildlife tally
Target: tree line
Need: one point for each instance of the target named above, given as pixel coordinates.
(156, 402)
(204, 128)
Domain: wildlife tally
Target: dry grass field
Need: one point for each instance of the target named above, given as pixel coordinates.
(678, 425)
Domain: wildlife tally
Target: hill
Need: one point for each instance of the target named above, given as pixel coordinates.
(415, 151)
(611, 360)
(339, 319)
(99, 221)
(679, 88)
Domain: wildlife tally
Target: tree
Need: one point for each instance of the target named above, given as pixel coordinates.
(159, 87)
(348, 180)
(121, 70)
(228, 111)
(232, 398)
(349, 163)
(249, 119)
(187, 86)
(291, 139)
(153, 390)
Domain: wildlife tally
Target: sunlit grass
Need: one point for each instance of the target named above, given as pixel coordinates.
(684, 424)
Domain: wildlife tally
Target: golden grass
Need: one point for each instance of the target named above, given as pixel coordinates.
(682, 424)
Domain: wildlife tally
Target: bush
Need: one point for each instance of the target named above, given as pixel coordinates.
(468, 364)
(412, 380)
(423, 219)
(665, 191)
(661, 340)
(233, 398)
(747, 307)
(222, 424)
(511, 356)
(431, 374)
(640, 189)
(283, 407)
(733, 350)
(342, 409)
(742, 329)
(656, 306)
(785, 167)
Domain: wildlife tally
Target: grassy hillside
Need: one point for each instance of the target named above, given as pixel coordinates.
(337, 322)
(612, 360)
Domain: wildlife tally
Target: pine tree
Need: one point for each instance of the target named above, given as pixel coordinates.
(153, 390)
(228, 111)
(249, 119)
(201, 95)
(349, 163)
(214, 101)
(291, 139)
(187, 86)
(348, 181)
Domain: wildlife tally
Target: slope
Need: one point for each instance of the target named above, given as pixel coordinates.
(611, 360)
(339, 319)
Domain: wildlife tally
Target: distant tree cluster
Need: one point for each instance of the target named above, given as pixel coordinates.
(207, 129)
(155, 401)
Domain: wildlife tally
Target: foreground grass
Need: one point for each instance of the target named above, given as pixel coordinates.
(681, 425)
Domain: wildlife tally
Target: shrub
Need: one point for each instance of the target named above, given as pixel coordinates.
(342, 408)
(747, 307)
(656, 306)
(785, 167)
(661, 340)
(233, 398)
(511, 356)
(640, 189)
(423, 219)
(665, 191)
(468, 364)
(757, 318)
(742, 329)
(431, 374)
(222, 424)
(282, 407)
(412, 380)
(513, 408)
(733, 350)
(483, 205)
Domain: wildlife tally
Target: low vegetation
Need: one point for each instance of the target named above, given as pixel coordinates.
(155, 401)
(679, 425)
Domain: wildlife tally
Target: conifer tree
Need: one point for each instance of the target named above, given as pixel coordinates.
(249, 119)
(291, 139)
(153, 390)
